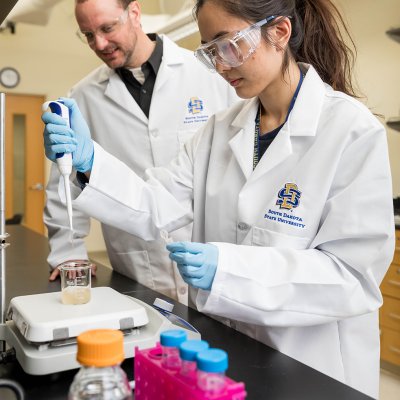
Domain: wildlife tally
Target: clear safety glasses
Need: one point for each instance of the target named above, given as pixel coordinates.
(232, 49)
(107, 30)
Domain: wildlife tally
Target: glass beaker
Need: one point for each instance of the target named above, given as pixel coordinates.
(75, 282)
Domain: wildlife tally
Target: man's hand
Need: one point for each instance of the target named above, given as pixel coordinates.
(56, 272)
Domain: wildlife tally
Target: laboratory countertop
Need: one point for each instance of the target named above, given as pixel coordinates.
(267, 374)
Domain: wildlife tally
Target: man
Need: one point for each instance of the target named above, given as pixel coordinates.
(152, 96)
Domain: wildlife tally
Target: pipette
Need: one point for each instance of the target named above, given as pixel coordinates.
(64, 160)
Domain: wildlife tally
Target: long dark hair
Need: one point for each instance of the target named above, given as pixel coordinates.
(316, 38)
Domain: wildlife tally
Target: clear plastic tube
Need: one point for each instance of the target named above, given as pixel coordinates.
(188, 352)
(170, 341)
(211, 367)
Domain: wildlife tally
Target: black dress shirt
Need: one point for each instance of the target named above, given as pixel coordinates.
(143, 93)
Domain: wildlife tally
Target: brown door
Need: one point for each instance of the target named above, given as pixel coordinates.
(24, 161)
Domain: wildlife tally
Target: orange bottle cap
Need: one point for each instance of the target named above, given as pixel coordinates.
(100, 348)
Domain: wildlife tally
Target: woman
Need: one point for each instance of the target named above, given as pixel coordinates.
(292, 186)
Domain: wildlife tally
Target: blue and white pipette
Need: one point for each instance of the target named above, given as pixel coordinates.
(64, 160)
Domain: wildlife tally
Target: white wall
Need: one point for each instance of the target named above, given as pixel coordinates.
(51, 59)
(378, 64)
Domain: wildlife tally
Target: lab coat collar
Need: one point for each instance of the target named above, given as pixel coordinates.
(116, 90)
(242, 143)
(172, 56)
(302, 121)
(172, 53)
(104, 73)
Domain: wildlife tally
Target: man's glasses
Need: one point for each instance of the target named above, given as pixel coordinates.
(232, 49)
(105, 31)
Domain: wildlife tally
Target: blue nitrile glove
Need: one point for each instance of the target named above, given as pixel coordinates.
(197, 262)
(58, 138)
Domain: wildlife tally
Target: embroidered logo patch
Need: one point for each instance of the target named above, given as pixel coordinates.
(289, 197)
(195, 105)
(196, 112)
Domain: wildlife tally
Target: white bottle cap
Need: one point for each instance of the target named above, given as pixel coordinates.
(163, 304)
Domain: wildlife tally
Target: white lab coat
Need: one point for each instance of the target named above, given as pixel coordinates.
(303, 280)
(120, 126)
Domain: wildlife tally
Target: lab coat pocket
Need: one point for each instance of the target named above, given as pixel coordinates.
(184, 136)
(265, 237)
(134, 265)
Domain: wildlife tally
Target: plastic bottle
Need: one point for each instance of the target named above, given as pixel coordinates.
(188, 351)
(100, 353)
(211, 367)
(170, 341)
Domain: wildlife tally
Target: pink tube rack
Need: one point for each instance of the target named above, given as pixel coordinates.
(153, 382)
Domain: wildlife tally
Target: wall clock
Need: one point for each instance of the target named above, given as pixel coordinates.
(9, 77)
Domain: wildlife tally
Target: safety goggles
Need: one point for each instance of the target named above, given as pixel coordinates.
(106, 30)
(232, 49)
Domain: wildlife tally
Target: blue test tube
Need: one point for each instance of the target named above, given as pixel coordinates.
(211, 367)
(170, 341)
(188, 351)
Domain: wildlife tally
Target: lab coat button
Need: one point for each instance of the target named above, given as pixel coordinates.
(243, 226)
(182, 290)
(154, 133)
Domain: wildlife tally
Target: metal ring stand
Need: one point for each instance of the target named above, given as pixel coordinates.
(3, 234)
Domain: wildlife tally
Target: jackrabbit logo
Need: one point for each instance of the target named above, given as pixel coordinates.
(195, 105)
(289, 197)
